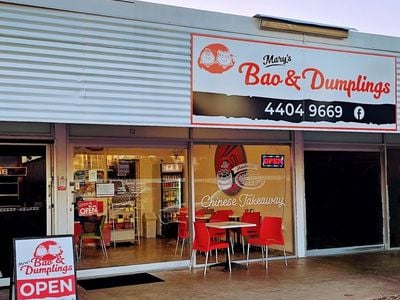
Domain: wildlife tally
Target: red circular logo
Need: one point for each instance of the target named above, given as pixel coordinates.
(48, 250)
(216, 58)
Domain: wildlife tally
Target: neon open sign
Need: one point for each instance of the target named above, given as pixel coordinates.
(272, 161)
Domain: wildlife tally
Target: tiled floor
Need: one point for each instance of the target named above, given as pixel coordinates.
(373, 275)
(361, 276)
(150, 251)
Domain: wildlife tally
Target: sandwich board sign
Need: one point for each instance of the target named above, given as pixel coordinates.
(44, 268)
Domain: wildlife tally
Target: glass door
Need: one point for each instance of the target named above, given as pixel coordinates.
(125, 185)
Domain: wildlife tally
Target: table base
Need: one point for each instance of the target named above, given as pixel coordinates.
(226, 265)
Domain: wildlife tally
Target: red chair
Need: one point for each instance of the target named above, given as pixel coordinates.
(183, 210)
(227, 212)
(200, 212)
(248, 232)
(270, 234)
(183, 232)
(203, 242)
(75, 238)
(218, 217)
(200, 216)
(221, 215)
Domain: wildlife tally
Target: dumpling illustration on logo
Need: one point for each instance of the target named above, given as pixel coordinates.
(48, 250)
(207, 57)
(216, 58)
(224, 58)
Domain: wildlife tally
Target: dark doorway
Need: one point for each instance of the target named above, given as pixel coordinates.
(343, 199)
(393, 179)
(23, 196)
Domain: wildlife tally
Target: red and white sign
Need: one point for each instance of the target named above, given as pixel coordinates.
(87, 208)
(61, 183)
(270, 84)
(44, 268)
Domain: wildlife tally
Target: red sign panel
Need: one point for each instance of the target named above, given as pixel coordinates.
(87, 208)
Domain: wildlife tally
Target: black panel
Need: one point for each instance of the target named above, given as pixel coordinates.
(393, 169)
(343, 199)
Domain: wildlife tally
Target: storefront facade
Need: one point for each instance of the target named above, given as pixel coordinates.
(138, 110)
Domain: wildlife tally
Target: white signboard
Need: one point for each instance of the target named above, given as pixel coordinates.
(261, 84)
(104, 189)
(44, 268)
(93, 175)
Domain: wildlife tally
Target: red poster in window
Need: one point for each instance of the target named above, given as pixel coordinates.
(227, 157)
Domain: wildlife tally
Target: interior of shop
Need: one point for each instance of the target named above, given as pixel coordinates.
(143, 192)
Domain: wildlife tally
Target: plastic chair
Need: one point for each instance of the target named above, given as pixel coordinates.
(208, 210)
(200, 212)
(214, 232)
(270, 234)
(183, 233)
(92, 228)
(203, 242)
(227, 212)
(75, 238)
(247, 232)
(183, 210)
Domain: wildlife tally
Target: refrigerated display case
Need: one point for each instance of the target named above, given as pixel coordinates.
(171, 196)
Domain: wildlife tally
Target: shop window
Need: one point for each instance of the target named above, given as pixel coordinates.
(140, 191)
(245, 178)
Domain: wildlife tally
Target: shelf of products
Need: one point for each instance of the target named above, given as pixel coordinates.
(10, 188)
(125, 218)
(114, 178)
(171, 195)
(10, 178)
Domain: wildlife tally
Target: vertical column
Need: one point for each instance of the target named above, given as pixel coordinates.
(385, 197)
(300, 202)
(63, 217)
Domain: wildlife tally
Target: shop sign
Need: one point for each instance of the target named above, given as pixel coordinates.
(104, 189)
(61, 183)
(242, 201)
(272, 161)
(44, 268)
(13, 171)
(87, 208)
(249, 83)
(171, 167)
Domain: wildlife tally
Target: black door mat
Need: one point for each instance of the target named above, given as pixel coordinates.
(115, 281)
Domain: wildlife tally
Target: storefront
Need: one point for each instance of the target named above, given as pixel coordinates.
(150, 184)
(131, 113)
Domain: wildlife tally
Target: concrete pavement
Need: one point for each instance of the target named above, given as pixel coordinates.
(374, 275)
